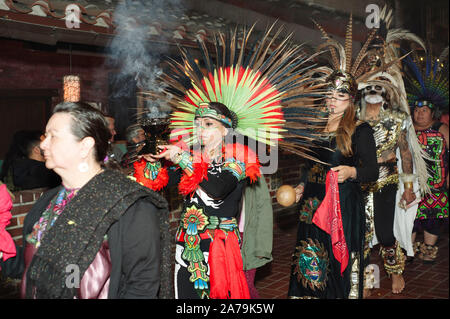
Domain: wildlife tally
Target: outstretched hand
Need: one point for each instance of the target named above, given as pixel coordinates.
(168, 152)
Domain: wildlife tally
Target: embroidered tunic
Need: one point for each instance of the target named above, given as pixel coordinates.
(434, 205)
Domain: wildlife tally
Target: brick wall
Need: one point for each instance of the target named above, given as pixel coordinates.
(22, 204)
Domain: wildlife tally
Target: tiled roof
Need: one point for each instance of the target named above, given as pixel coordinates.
(90, 14)
(185, 26)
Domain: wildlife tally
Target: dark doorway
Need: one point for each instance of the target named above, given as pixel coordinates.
(23, 109)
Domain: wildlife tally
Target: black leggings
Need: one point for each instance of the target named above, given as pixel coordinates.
(384, 210)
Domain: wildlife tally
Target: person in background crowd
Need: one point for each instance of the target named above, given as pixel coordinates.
(115, 153)
(135, 136)
(428, 95)
(24, 166)
(99, 221)
(432, 211)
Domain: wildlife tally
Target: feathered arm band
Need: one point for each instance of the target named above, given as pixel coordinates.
(151, 175)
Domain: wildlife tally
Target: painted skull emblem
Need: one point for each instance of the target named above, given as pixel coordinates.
(311, 264)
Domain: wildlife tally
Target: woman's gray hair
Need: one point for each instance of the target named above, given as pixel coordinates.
(88, 121)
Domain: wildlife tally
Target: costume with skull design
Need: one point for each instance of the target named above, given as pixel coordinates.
(399, 155)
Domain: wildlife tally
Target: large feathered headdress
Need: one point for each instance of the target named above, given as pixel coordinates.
(385, 50)
(266, 83)
(427, 81)
(346, 72)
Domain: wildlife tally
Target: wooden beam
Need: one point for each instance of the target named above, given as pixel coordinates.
(11, 93)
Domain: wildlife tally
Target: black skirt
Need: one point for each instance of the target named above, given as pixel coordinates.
(315, 273)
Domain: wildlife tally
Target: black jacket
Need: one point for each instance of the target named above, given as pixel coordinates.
(29, 174)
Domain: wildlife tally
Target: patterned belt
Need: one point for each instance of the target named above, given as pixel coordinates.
(224, 223)
(378, 185)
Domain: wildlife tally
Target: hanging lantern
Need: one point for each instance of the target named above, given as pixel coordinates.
(71, 88)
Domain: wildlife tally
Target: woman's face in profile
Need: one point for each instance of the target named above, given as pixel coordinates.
(209, 132)
(61, 148)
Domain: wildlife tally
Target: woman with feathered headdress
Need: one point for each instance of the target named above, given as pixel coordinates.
(217, 113)
(331, 230)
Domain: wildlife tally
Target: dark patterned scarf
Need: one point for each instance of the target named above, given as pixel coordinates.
(78, 233)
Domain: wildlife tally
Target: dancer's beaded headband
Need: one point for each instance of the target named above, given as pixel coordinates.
(424, 103)
(204, 110)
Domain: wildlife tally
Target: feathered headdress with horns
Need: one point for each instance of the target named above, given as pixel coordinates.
(258, 80)
(385, 49)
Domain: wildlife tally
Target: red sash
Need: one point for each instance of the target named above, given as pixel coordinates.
(226, 268)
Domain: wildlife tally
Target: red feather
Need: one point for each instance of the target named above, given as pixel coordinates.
(159, 183)
(189, 184)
